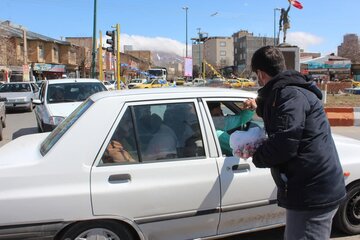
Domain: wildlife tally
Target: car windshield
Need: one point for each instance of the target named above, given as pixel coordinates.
(72, 92)
(61, 129)
(15, 87)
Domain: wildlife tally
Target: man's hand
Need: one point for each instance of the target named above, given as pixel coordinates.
(250, 104)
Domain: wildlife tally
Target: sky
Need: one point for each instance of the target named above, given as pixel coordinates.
(160, 25)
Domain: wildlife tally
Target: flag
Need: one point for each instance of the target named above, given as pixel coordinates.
(296, 4)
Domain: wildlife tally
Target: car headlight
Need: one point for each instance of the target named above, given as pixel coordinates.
(56, 120)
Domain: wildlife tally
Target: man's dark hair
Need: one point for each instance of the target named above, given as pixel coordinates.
(268, 59)
(213, 105)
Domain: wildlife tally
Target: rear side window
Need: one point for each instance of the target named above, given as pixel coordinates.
(150, 133)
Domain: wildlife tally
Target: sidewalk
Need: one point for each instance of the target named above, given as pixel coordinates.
(343, 116)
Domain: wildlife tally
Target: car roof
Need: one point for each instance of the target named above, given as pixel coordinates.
(174, 93)
(71, 80)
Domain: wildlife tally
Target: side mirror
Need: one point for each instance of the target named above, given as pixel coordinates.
(37, 101)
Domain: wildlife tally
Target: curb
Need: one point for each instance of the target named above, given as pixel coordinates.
(343, 116)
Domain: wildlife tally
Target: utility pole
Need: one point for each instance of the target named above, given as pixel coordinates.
(26, 76)
(200, 69)
(100, 59)
(94, 43)
(186, 29)
(118, 56)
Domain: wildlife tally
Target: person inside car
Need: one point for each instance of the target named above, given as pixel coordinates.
(225, 125)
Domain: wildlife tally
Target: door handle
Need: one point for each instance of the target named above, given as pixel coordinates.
(119, 178)
(241, 167)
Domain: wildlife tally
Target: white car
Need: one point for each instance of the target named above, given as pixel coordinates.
(135, 82)
(195, 82)
(58, 98)
(109, 86)
(19, 95)
(148, 167)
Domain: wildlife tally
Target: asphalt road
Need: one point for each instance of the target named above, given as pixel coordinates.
(23, 123)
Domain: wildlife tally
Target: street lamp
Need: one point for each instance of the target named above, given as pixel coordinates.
(275, 9)
(186, 24)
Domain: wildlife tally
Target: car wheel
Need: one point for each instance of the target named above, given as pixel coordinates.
(347, 218)
(103, 229)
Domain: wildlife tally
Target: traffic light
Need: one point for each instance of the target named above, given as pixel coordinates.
(111, 42)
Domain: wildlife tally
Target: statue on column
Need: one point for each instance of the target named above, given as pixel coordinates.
(284, 23)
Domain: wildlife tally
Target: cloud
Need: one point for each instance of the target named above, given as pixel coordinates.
(160, 44)
(303, 40)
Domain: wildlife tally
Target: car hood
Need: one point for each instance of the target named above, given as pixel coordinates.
(62, 109)
(22, 151)
(10, 95)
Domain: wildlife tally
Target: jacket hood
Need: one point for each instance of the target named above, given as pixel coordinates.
(291, 78)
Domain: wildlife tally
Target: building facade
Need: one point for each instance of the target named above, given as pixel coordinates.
(350, 48)
(38, 57)
(245, 44)
(216, 51)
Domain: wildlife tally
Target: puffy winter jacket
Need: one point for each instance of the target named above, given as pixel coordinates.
(300, 149)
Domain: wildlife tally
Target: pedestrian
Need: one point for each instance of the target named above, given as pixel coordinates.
(299, 149)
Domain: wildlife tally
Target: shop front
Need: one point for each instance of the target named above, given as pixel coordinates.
(43, 71)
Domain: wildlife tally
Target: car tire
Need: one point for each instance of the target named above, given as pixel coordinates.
(347, 218)
(102, 229)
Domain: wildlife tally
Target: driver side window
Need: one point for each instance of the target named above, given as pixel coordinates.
(228, 117)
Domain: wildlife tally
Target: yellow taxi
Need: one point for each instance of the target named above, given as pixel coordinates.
(180, 81)
(153, 83)
(355, 83)
(240, 82)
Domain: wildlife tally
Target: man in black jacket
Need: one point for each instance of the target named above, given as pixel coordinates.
(299, 150)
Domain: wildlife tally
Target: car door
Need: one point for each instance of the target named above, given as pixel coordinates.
(163, 179)
(248, 194)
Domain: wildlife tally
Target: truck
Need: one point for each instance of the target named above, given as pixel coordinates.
(157, 73)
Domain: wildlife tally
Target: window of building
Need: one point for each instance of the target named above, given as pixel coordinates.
(56, 53)
(41, 53)
(72, 55)
(160, 132)
(236, 51)
(223, 53)
(222, 44)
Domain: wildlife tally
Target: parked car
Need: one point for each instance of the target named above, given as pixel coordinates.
(240, 83)
(148, 167)
(153, 83)
(180, 81)
(109, 86)
(135, 82)
(2, 117)
(216, 82)
(58, 98)
(19, 95)
(196, 82)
